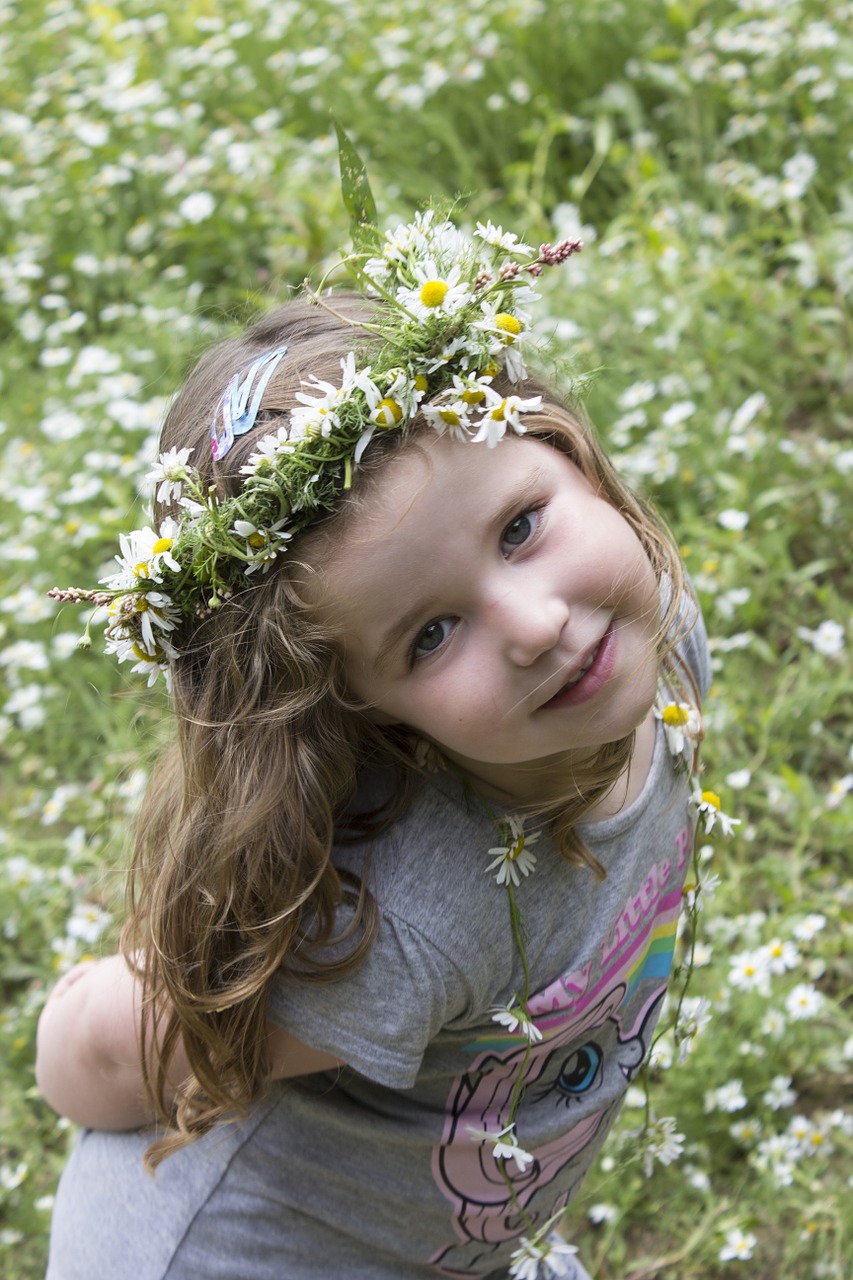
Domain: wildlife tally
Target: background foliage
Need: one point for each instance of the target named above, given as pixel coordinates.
(169, 168)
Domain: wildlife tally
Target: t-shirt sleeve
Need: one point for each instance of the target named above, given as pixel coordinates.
(694, 648)
(379, 1018)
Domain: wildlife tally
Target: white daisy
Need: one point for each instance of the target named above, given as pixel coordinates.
(507, 332)
(502, 412)
(514, 859)
(500, 239)
(541, 1259)
(696, 895)
(408, 238)
(398, 404)
(263, 545)
(143, 554)
(270, 448)
(434, 293)
(513, 1016)
(707, 805)
(318, 414)
(449, 416)
(804, 1001)
(681, 723)
(460, 349)
(738, 1247)
(169, 473)
(505, 1145)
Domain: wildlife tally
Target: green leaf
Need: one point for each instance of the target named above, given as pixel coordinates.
(358, 198)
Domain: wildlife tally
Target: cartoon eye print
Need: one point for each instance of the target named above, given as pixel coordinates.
(579, 1073)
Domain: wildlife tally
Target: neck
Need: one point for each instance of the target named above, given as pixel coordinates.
(565, 778)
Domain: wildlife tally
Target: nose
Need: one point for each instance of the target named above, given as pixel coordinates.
(532, 623)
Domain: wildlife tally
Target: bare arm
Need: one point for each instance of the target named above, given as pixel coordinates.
(88, 1060)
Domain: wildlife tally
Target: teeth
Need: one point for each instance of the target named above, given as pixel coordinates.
(580, 675)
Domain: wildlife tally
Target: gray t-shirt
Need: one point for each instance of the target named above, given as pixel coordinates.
(373, 1173)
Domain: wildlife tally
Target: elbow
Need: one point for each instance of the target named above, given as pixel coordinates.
(54, 1068)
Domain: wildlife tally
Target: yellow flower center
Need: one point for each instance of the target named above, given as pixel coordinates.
(491, 370)
(433, 293)
(162, 544)
(711, 798)
(509, 326)
(141, 569)
(388, 413)
(473, 396)
(675, 716)
(140, 653)
(257, 540)
(449, 417)
(421, 383)
(515, 851)
(498, 413)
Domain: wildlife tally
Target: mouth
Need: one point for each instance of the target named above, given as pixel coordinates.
(587, 666)
(590, 677)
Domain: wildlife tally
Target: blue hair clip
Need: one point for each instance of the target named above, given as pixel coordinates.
(234, 412)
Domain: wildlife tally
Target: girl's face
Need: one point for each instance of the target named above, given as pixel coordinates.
(492, 602)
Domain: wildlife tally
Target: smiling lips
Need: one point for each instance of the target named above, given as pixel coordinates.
(591, 677)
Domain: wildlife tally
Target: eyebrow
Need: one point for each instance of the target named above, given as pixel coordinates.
(422, 607)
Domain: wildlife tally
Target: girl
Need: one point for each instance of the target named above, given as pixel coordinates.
(405, 892)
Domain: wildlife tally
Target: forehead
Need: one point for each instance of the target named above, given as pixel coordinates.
(422, 481)
(406, 533)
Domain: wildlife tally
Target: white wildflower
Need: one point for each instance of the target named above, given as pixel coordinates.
(663, 1143)
(197, 207)
(682, 723)
(541, 1259)
(828, 640)
(735, 521)
(728, 1097)
(514, 1017)
(169, 474)
(738, 1246)
(499, 239)
(707, 805)
(780, 1094)
(805, 1001)
(750, 971)
(808, 928)
(514, 859)
(502, 412)
(781, 956)
(505, 1145)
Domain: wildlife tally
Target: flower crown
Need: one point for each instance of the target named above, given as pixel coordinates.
(451, 313)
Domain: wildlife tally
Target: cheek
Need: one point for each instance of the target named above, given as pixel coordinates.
(459, 703)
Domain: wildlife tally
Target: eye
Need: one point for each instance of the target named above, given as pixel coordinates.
(431, 638)
(580, 1069)
(579, 1074)
(520, 530)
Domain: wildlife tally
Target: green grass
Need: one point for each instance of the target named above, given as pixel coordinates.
(705, 150)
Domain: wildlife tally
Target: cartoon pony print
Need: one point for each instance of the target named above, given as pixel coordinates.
(584, 1065)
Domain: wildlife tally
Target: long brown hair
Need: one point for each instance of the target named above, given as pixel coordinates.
(232, 873)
